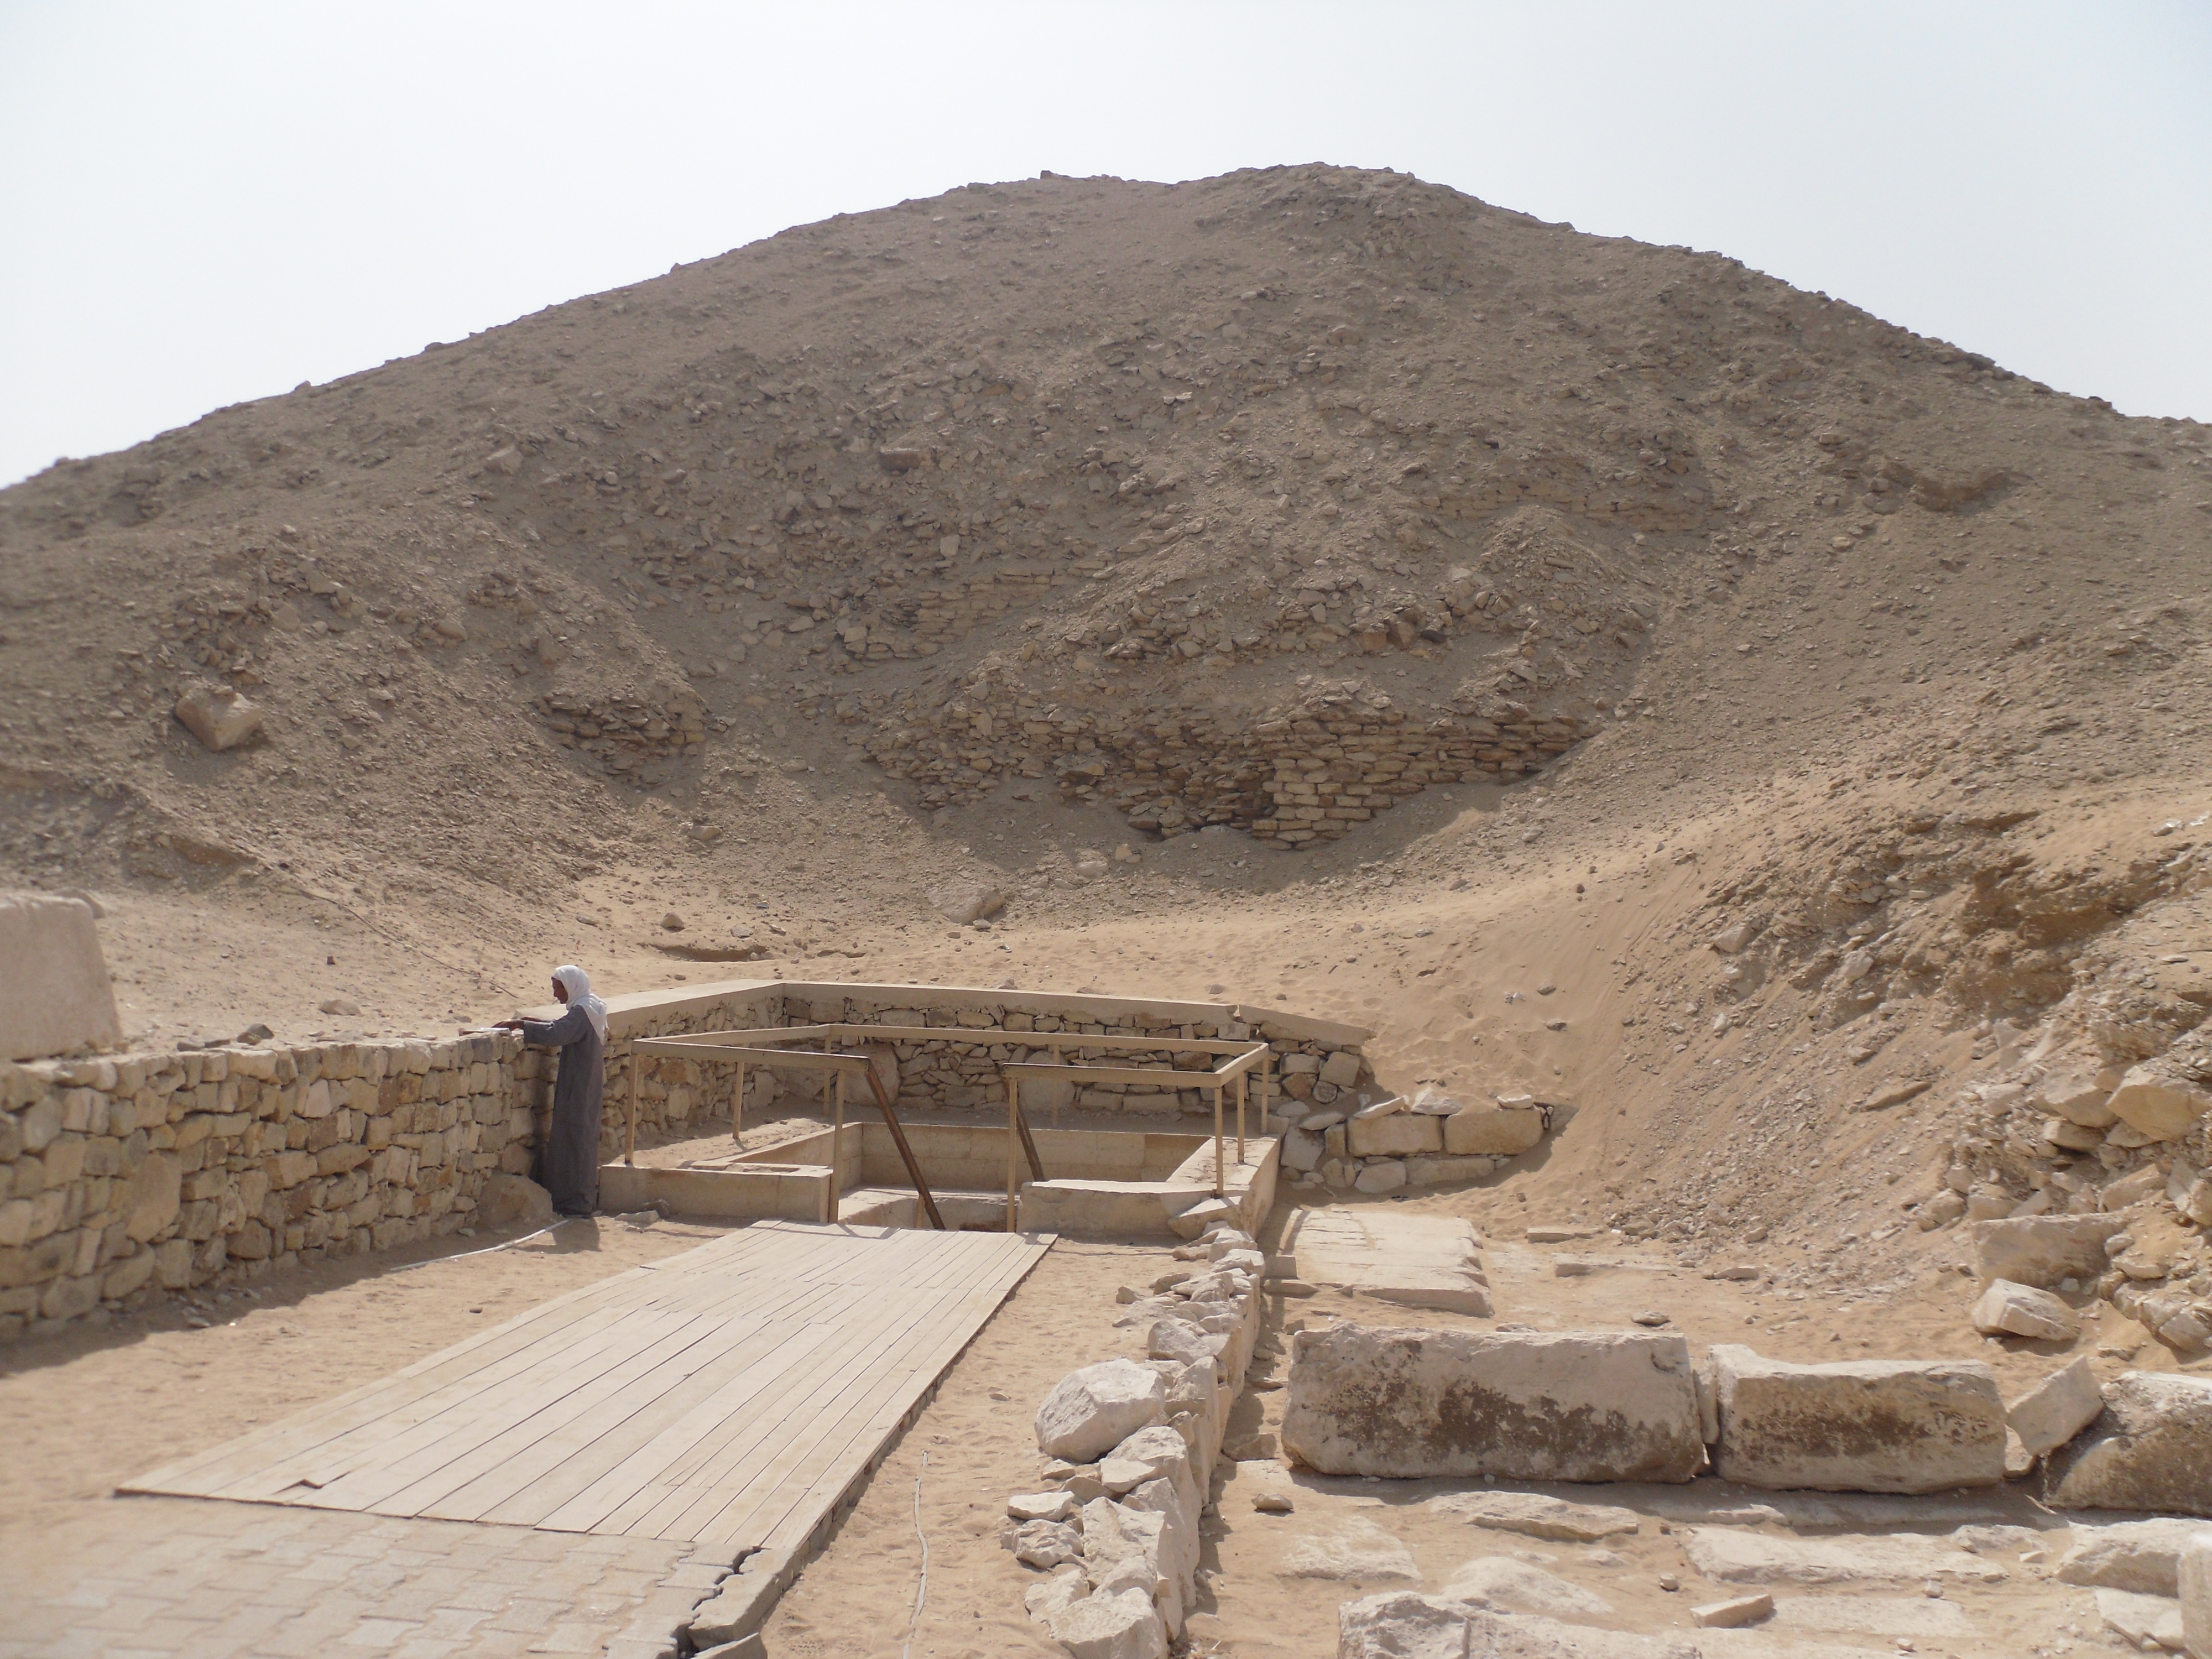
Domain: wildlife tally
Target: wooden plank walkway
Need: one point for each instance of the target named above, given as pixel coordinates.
(729, 1395)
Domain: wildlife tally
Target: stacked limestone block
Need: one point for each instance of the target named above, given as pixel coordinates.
(961, 1071)
(675, 1097)
(1129, 1448)
(1291, 776)
(123, 1176)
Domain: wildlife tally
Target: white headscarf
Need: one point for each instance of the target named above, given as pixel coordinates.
(578, 984)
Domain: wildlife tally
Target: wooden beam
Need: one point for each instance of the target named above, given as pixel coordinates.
(630, 1140)
(988, 1035)
(906, 1151)
(803, 1059)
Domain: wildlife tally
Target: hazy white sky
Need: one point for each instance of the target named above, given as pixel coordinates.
(207, 203)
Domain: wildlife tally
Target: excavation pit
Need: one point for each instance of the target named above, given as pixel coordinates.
(966, 1175)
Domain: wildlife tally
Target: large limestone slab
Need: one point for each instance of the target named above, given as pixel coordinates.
(2149, 1449)
(1406, 1624)
(1359, 1551)
(2154, 1623)
(1729, 1557)
(1501, 1583)
(2195, 1575)
(1861, 1425)
(1413, 1260)
(2141, 1556)
(1536, 1406)
(1922, 1616)
(58, 997)
(2160, 1100)
(1394, 1135)
(2042, 1250)
(1533, 1515)
(1497, 1131)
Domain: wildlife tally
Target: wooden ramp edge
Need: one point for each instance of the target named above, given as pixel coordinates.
(734, 1394)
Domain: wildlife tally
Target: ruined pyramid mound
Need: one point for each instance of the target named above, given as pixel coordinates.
(1266, 500)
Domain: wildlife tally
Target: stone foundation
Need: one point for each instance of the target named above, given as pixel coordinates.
(957, 1072)
(128, 1174)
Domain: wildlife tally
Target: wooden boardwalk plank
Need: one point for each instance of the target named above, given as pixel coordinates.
(740, 1492)
(729, 1394)
(730, 1455)
(848, 1445)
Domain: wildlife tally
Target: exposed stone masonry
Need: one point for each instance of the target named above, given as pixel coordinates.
(1293, 777)
(122, 1174)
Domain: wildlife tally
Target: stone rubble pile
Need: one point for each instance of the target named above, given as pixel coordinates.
(626, 733)
(2086, 1178)
(1129, 1449)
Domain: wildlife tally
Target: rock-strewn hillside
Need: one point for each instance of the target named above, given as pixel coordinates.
(1506, 573)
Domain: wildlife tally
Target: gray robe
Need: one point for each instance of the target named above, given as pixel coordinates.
(570, 1166)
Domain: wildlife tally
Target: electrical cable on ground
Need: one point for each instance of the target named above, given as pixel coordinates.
(509, 1244)
(921, 1589)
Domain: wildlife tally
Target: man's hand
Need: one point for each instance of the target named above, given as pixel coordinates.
(506, 1025)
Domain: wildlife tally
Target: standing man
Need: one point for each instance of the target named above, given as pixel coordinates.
(571, 1161)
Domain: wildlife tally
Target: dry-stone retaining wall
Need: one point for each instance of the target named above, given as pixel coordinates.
(121, 1176)
(1128, 1449)
(960, 1070)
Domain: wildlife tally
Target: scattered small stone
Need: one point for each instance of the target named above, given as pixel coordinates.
(1272, 1502)
(672, 922)
(343, 1006)
(1651, 1317)
(1668, 1581)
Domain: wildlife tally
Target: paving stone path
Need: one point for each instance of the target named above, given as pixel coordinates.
(185, 1578)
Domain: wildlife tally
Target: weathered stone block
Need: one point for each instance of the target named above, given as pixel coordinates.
(1534, 1407)
(2194, 1574)
(509, 1200)
(58, 996)
(127, 1275)
(2158, 1099)
(2009, 1309)
(1382, 1175)
(1092, 1409)
(217, 716)
(1123, 1624)
(2140, 1556)
(2149, 1449)
(1394, 1136)
(1341, 1068)
(2057, 1408)
(1445, 1169)
(1859, 1425)
(1495, 1131)
(2043, 1251)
